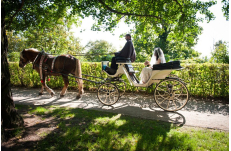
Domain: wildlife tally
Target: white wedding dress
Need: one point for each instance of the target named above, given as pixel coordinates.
(147, 71)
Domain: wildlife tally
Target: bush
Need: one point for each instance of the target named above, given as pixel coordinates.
(204, 80)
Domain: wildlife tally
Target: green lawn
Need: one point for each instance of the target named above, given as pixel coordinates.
(79, 129)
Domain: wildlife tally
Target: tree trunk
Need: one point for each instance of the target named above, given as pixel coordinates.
(9, 116)
(163, 43)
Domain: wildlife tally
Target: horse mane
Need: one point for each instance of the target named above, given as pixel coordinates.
(30, 49)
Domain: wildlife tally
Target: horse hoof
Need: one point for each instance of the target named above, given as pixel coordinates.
(40, 93)
(52, 94)
(78, 96)
(61, 96)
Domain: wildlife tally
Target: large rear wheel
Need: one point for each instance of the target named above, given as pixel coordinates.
(171, 94)
(108, 94)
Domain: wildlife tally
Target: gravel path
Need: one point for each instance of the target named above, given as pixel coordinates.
(198, 112)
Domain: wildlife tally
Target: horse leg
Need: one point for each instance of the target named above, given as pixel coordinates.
(49, 90)
(78, 73)
(41, 91)
(66, 83)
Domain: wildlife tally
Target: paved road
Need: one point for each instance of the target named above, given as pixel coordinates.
(198, 113)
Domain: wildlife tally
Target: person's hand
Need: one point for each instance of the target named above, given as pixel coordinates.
(146, 63)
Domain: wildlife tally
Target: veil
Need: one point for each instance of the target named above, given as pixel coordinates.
(160, 53)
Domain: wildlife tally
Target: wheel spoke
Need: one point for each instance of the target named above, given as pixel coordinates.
(164, 100)
(106, 98)
(168, 103)
(181, 94)
(103, 90)
(160, 96)
(174, 103)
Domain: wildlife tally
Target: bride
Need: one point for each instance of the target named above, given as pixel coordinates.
(157, 58)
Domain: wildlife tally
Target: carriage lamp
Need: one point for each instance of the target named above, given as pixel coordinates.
(105, 64)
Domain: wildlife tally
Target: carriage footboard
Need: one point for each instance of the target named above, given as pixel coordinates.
(131, 73)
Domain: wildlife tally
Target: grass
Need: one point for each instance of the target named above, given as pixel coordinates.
(79, 129)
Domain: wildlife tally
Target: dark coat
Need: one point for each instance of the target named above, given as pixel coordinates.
(128, 51)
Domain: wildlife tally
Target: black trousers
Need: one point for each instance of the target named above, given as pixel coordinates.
(113, 63)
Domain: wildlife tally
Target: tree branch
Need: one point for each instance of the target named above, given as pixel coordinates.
(125, 13)
(15, 14)
(179, 5)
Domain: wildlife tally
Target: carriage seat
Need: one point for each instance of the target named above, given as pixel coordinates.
(122, 60)
(168, 65)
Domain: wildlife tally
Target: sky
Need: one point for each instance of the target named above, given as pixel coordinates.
(213, 31)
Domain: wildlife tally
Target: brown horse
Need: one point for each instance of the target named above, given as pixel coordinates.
(47, 65)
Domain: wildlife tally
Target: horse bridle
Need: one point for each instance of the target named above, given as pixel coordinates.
(22, 60)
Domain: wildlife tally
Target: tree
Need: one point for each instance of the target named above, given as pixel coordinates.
(220, 53)
(161, 17)
(165, 24)
(16, 43)
(9, 117)
(19, 16)
(175, 46)
(54, 39)
(99, 50)
(225, 8)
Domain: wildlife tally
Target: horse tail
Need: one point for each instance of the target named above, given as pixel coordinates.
(78, 73)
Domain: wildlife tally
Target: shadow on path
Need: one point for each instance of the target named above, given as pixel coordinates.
(197, 112)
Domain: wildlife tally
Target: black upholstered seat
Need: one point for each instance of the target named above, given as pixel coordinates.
(123, 60)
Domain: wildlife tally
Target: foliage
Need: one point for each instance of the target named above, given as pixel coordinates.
(220, 54)
(16, 42)
(174, 47)
(99, 50)
(20, 15)
(204, 80)
(195, 60)
(225, 8)
(173, 25)
(54, 39)
(13, 56)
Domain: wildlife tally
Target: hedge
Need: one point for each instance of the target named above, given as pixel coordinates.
(203, 80)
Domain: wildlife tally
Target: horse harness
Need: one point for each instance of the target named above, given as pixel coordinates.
(43, 59)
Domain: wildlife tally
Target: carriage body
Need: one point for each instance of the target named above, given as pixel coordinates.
(170, 94)
(128, 70)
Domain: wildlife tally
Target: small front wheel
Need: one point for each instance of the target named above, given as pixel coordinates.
(171, 94)
(108, 94)
(121, 85)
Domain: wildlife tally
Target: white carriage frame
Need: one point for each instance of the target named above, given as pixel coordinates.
(156, 77)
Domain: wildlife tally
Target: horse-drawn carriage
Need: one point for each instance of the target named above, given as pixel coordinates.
(170, 94)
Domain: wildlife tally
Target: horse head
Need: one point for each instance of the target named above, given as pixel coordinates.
(23, 59)
(26, 56)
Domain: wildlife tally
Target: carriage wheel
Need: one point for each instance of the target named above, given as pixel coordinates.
(121, 85)
(171, 95)
(108, 94)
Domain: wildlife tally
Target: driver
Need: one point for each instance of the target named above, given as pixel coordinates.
(128, 51)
